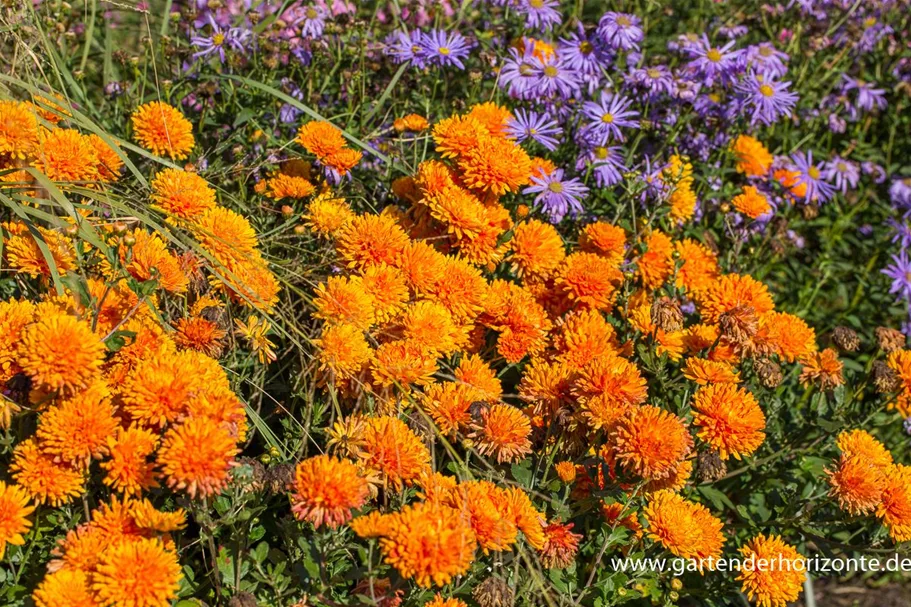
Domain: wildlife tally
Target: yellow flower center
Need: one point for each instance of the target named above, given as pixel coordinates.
(813, 172)
(586, 47)
(311, 13)
(218, 39)
(524, 69)
(607, 118)
(842, 167)
(444, 50)
(536, 3)
(766, 51)
(601, 152)
(654, 72)
(623, 21)
(550, 71)
(766, 90)
(714, 55)
(556, 187)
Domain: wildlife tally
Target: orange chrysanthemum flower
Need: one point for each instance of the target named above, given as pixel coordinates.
(492, 116)
(476, 374)
(343, 350)
(60, 352)
(65, 588)
(522, 322)
(432, 327)
(77, 429)
(590, 280)
(791, 180)
(448, 404)
(566, 471)
(327, 214)
(753, 159)
(433, 178)
(224, 233)
(400, 363)
(14, 510)
(24, 254)
(18, 129)
(560, 546)
(584, 336)
(370, 239)
(604, 239)
(502, 432)
(386, 286)
(148, 258)
(895, 507)
(148, 518)
(343, 160)
(823, 369)
(777, 582)
(428, 542)
(182, 194)
(142, 573)
(439, 601)
(343, 299)
(458, 210)
(900, 362)
(393, 449)
(67, 155)
(15, 316)
(751, 203)
(42, 479)
(529, 521)
(857, 484)
(200, 334)
(607, 388)
(685, 528)
(163, 130)
(537, 249)
(700, 266)
(109, 161)
(704, 372)
(288, 186)
(486, 508)
(496, 166)
(326, 490)
(789, 336)
(320, 138)
(729, 419)
(861, 444)
(414, 123)
(157, 390)
(456, 136)
(650, 442)
(421, 264)
(460, 288)
(657, 263)
(196, 456)
(128, 469)
(735, 291)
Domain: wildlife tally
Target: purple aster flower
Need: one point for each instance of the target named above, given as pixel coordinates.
(218, 39)
(113, 89)
(608, 116)
(766, 59)
(837, 124)
(584, 54)
(769, 98)
(607, 164)
(312, 22)
(900, 273)
(553, 77)
(404, 47)
(900, 193)
(532, 125)
(907, 426)
(620, 31)
(445, 49)
(541, 14)
(901, 232)
(556, 196)
(517, 72)
(655, 79)
(711, 62)
(733, 32)
(868, 97)
(874, 170)
(843, 173)
(811, 175)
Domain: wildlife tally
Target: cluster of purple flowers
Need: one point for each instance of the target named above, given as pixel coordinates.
(900, 268)
(438, 47)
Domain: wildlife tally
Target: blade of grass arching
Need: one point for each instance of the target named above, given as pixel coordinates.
(165, 18)
(61, 71)
(309, 111)
(86, 228)
(386, 93)
(89, 36)
(39, 240)
(265, 431)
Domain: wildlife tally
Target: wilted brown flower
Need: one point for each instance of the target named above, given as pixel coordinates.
(885, 379)
(666, 314)
(846, 339)
(823, 369)
(710, 467)
(769, 373)
(243, 599)
(890, 340)
(494, 592)
(739, 325)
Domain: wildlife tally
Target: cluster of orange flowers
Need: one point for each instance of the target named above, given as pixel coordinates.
(117, 393)
(435, 297)
(866, 480)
